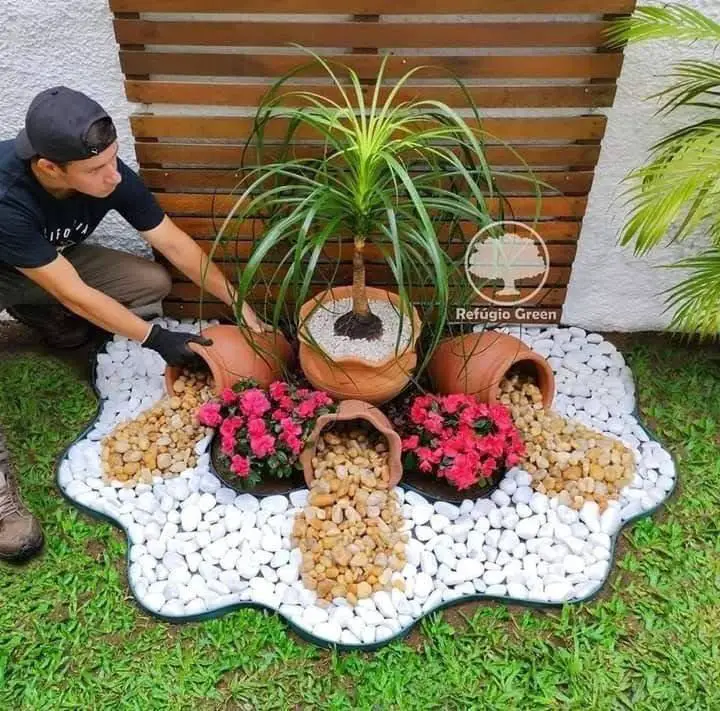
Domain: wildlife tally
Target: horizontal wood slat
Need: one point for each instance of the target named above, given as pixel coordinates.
(591, 95)
(578, 66)
(571, 128)
(572, 183)
(192, 162)
(203, 154)
(206, 228)
(240, 250)
(376, 7)
(522, 207)
(376, 274)
(184, 291)
(358, 34)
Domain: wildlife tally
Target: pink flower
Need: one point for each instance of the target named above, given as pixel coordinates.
(434, 423)
(278, 389)
(240, 465)
(289, 427)
(322, 398)
(279, 414)
(256, 427)
(293, 442)
(227, 444)
(228, 396)
(306, 409)
(411, 442)
(263, 445)
(286, 402)
(451, 403)
(208, 414)
(231, 425)
(254, 402)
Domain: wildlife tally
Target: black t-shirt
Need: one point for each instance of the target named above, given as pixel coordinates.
(35, 226)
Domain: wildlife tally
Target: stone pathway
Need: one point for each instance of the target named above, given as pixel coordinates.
(196, 547)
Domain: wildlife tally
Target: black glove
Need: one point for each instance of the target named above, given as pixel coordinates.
(173, 346)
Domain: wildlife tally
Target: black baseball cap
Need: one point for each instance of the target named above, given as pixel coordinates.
(56, 126)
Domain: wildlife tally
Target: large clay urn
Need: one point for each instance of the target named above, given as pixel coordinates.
(355, 410)
(232, 357)
(476, 363)
(352, 377)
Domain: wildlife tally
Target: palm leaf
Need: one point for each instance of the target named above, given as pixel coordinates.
(672, 21)
(696, 300)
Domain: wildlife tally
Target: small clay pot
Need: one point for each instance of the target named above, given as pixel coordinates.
(232, 357)
(355, 410)
(476, 363)
(351, 377)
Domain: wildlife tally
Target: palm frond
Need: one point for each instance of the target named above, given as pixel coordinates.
(391, 171)
(696, 300)
(677, 190)
(695, 80)
(673, 21)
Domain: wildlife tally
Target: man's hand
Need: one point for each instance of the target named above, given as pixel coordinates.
(253, 322)
(173, 345)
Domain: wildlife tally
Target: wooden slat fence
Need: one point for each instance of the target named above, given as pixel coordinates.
(536, 68)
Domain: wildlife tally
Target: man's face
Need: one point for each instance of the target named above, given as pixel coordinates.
(97, 176)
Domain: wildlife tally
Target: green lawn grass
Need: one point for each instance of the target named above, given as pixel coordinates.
(71, 637)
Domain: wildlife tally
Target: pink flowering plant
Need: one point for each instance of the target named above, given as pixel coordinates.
(458, 438)
(262, 432)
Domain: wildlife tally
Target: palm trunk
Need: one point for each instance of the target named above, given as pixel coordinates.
(359, 293)
(359, 322)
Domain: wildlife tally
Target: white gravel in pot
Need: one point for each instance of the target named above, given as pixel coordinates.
(321, 325)
(197, 546)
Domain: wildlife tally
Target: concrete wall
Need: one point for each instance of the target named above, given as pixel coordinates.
(610, 289)
(47, 42)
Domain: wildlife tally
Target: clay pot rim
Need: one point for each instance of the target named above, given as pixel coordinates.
(356, 409)
(216, 368)
(338, 292)
(525, 353)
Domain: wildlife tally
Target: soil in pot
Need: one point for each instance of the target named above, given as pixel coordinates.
(266, 487)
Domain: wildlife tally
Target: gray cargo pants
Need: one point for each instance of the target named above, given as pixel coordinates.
(131, 280)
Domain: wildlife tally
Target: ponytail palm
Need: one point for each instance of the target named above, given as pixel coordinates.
(678, 190)
(386, 171)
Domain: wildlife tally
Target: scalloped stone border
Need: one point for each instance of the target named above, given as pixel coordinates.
(197, 549)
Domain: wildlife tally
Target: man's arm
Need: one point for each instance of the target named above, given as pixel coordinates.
(60, 280)
(187, 256)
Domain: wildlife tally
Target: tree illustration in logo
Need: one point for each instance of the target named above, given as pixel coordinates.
(508, 257)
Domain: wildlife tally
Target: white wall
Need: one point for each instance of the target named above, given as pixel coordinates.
(610, 288)
(44, 43)
(47, 42)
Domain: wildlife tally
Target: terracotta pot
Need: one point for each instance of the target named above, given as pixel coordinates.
(351, 377)
(355, 410)
(490, 356)
(232, 357)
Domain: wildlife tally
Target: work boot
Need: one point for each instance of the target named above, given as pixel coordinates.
(20, 532)
(57, 326)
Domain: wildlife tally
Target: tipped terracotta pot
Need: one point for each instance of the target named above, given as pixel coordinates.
(231, 357)
(476, 363)
(352, 377)
(355, 410)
